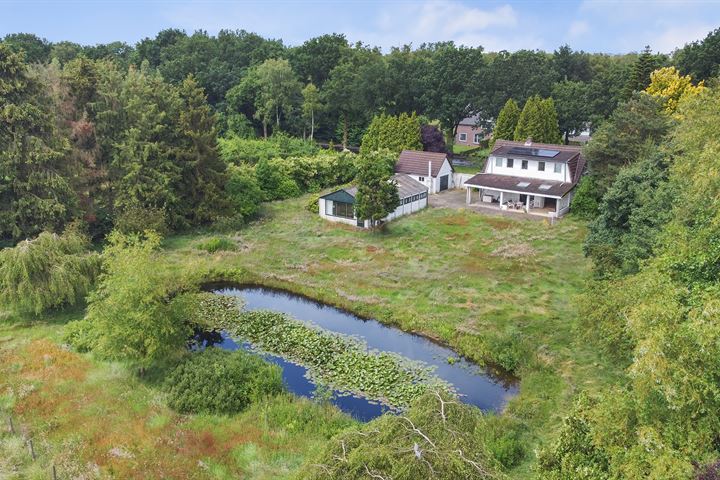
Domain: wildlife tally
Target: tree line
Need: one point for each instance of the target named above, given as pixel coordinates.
(330, 89)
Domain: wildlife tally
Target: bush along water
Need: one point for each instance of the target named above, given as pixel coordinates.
(341, 362)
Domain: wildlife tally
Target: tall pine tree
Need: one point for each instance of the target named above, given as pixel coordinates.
(203, 173)
(640, 76)
(35, 194)
(507, 120)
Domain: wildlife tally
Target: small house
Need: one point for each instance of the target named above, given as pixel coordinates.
(534, 178)
(469, 132)
(339, 206)
(432, 169)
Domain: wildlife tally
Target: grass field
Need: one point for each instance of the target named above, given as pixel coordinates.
(496, 289)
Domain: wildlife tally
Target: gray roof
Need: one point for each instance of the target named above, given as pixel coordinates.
(521, 184)
(408, 186)
(416, 162)
(570, 154)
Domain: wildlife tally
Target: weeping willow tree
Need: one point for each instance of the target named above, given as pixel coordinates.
(438, 438)
(47, 272)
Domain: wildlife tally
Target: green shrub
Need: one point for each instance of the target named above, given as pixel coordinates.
(138, 220)
(585, 204)
(130, 315)
(217, 244)
(313, 205)
(502, 436)
(222, 382)
(237, 150)
(243, 191)
(507, 350)
(47, 272)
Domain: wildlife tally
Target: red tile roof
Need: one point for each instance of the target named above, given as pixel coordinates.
(415, 162)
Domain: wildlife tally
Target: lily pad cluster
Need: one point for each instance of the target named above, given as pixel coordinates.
(338, 361)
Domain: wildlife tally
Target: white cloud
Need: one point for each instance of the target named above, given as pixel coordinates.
(440, 20)
(677, 36)
(578, 28)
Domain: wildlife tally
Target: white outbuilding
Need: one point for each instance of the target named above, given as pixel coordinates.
(432, 169)
(339, 206)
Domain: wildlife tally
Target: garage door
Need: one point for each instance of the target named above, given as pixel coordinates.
(443, 183)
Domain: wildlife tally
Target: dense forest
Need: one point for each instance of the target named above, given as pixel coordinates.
(119, 132)
(116, 146)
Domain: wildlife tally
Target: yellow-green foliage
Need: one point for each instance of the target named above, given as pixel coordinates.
(47, 272)
(438, 437)
(672, 87)
(665, 419)
(130, 315)
(392, 133)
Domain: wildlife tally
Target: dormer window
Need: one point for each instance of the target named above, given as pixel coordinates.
(510, 162)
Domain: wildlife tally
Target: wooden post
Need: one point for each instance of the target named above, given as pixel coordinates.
(54, 473)
(11, 427)
(32, 450)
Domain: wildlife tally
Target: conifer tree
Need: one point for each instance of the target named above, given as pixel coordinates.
(551, 130)
(203, 174)
(507, 121)
(392, 133)
(640, 76)
(35, 193)
(530, 123)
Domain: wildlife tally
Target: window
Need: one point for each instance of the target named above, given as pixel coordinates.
(545, 186)
(498, 162)
(342, 209)
(524, 165)
(421, 179)
(541, 166)
(415, 198)
(558, 167)
(463, 137)
(476, 138)
(510, 163)
(423, 195)
(523, 184)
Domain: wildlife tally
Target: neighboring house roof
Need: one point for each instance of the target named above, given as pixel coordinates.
(570, 154)
(416, 162)
(470, 121)
(521, 184)
(582, 138)
(408, 186)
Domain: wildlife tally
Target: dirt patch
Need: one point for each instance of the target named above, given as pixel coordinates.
(499, 223)
(45, 360)
(456, 219)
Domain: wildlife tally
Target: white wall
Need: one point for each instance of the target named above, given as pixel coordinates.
(408, 208)
(426, 180)
(322, 203)
(532, 170)
(459, 179)
(401, 210)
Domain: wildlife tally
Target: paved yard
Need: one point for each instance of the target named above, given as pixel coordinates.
(456, 199)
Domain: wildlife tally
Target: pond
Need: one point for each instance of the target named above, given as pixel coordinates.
(474, 385)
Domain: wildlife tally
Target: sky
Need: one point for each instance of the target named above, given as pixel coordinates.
(609, 26)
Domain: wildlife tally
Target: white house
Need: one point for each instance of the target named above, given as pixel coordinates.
(433, 170)
(339, 206)
(529, 177)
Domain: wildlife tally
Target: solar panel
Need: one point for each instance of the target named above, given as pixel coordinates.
(533, 152)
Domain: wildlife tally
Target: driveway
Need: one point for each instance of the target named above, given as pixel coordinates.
(455, 199)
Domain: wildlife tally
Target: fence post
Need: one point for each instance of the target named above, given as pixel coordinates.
(11, 427)
(54, 473)
(32, 450)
